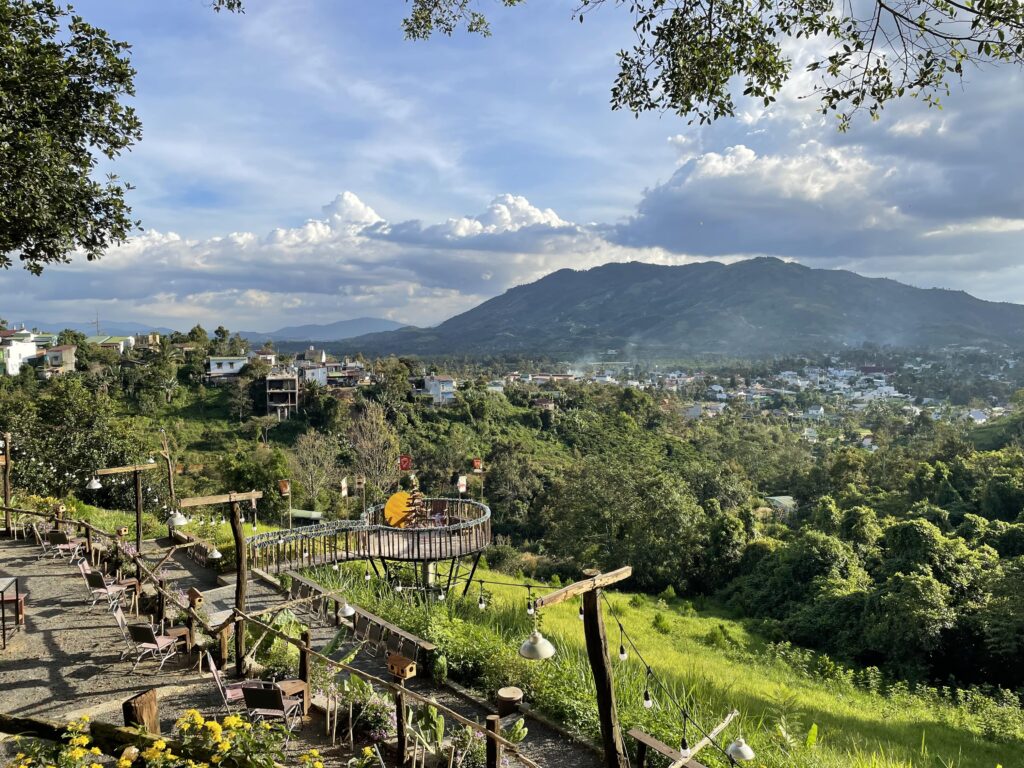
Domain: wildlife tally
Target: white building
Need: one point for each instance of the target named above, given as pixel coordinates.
(14, 353)
(440, 388)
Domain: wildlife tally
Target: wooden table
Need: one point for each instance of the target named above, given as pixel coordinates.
(294, 688)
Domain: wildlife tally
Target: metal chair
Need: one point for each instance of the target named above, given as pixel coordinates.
(100, 588)
(61, 545)
(231, 693)
(272, 704)
(41, 542)
(148, 643)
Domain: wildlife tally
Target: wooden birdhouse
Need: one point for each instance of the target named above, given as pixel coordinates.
(122, 531)
(195, 598)
(401, 667)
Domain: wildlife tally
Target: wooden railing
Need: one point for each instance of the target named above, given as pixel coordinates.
(464, 529)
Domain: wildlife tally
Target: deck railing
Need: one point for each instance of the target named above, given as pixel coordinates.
(460, 528)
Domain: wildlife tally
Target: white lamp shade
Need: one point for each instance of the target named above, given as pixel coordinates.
(740, 751)
(177, 519)
(94, 484)
(347, 610)
(214, 554)
(537, 648)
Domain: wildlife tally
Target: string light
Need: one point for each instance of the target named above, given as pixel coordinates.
(581, 612)
(480, 604)
(366, 573)
(622, 646)
(530, 608)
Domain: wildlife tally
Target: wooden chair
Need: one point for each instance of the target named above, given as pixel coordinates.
(271, 703)
(148, 643)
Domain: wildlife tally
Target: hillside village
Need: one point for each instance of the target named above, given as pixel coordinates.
(810, 396)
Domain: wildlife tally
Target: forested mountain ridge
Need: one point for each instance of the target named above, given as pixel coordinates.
(760, 306)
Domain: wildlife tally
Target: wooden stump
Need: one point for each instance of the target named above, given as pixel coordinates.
(142, 710)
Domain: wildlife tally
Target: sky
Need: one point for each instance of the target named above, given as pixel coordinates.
(303, 163)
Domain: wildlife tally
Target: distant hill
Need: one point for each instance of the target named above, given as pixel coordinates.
(107, 329)
(756, 307)
(343, 329)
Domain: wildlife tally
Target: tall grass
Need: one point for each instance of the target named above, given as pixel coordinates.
(709, 665)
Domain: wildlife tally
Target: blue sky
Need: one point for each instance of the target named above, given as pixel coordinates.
(302, 163)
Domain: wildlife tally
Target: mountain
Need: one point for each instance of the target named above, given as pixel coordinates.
(106, 328)
(757, 307)
(343, 329)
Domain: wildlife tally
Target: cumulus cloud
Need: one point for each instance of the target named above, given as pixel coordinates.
(349, 262)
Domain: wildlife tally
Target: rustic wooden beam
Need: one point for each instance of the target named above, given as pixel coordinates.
(706, 741)
(241, 584)
(223, 498)
(601, 665)
(124, 470)
(582, 587)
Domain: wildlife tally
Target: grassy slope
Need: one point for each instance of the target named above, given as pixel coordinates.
(848, 719)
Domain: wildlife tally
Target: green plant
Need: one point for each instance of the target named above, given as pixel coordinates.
(661, 623)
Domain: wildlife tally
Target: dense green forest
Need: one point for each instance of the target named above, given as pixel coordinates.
(909, 558)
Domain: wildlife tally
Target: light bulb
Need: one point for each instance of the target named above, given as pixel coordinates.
(684, 750)
(581, 612)
(335, 566)
(622, 653)
(398, 587)
(440, 597)
(366, 576)
(648, 701)
(481, 604)
(529, 607)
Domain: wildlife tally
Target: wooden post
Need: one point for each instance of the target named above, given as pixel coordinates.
(142, 710)
(493, 747)
(138, 520)
(402, 738)
(307, 639)
(641, 754)
(161, 603)
(597, 652)
(241, 584)
(88, 542)
(8, 463)
(170, 467)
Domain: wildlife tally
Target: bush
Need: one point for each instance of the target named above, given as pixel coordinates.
(661, 624)
(669, 593)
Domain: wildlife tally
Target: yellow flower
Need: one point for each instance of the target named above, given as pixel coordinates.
(367, 752)
(85, 718)
(123, 763)
(318, 764)
(20, 756)
(215, 759)
(159, 744)
(183, 727)
(265, 726)
(95, 751)
(223, 746)
(232, 721)
(95, 765)
(79, 741)
(314, 753)
(214, 728)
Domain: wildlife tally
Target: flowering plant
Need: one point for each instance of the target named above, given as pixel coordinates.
(233, 742)
(75, 751)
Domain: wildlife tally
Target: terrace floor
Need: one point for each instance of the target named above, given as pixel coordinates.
(66, 661)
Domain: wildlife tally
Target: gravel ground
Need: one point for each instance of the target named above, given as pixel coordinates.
(66, 661)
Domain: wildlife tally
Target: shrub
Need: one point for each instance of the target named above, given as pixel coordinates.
(661, 624)
(669, 593)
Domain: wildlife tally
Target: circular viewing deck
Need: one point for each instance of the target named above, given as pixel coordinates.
(455, 528)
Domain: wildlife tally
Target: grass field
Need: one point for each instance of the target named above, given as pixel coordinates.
(714, 665)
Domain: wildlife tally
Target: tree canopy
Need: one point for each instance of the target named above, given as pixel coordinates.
(62, 84)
